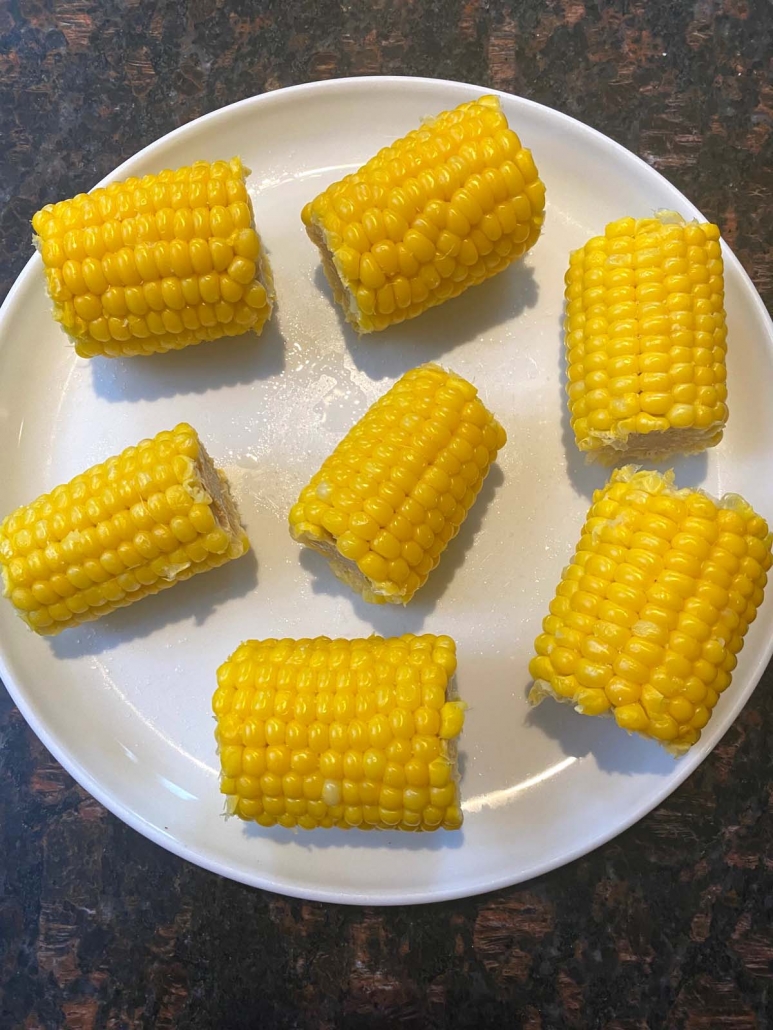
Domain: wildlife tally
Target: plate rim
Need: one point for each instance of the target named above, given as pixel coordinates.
(156, 834)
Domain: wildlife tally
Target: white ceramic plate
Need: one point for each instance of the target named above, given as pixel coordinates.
(124, 704)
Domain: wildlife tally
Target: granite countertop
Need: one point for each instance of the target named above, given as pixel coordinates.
(670, 924)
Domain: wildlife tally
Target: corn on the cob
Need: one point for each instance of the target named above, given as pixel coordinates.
(348, 733)
(447, 206)
(645, 340)
(650, 615)
(157, 263)
(140, 522)
(384, 505)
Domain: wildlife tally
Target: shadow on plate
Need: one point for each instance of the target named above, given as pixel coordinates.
(585, 478)
(197, 369)
(452, 559)
(613, 749)
(439, 330)
(389, 619)
(197, 598)
(392, 840)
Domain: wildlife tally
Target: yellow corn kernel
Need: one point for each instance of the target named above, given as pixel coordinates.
(114, 255)
(645, 340)
(384, 505)
(132, 512)
(293, 750)
(658, 646)
(409, 229)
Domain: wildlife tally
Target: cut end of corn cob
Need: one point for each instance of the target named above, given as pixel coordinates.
(348, 733)
(385, 504)
(646, 340)
(140, 522)
(652, 611)
(449, 205)
(157, 263)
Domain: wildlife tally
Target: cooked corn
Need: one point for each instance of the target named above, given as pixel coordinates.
(384, 505)
(140, 522)
(650, 615)
(645, 340)
(157, 263)
(341, 733)
(447, 206)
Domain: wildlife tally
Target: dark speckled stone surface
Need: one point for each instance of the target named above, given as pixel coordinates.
(670, 925)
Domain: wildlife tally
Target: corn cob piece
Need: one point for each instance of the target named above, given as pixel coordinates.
(138, 523)
(652, 611)
(646, 340)
(347, 733)
(385, 504)
(157, 263)
(449, 205)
